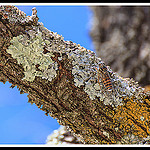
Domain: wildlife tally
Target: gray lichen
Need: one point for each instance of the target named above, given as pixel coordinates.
(83, 70)
(14, 15)
(130, 138)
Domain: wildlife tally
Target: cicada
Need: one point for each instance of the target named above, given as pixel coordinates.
(105, 78)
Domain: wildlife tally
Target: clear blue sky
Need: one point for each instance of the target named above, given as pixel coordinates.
(21, 122)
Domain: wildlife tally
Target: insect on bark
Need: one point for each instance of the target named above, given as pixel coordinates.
(105, 78)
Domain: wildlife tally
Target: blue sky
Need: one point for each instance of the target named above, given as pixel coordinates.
(21, 122)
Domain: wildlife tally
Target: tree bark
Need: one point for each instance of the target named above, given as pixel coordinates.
(60, 78)
(121, 38)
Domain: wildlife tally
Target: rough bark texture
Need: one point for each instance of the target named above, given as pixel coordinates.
(60, 78)
(121, 36)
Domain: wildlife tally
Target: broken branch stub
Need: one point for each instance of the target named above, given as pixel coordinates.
(60, 78)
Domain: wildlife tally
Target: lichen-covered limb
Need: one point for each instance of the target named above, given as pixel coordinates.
(60, 78)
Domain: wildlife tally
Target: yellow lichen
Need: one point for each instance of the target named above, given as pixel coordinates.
(134, 117)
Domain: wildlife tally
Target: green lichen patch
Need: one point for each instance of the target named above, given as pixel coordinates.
(29, 53)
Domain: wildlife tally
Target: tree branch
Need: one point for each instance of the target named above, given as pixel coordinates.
(60, 77)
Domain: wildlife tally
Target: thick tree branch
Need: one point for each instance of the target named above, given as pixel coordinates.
(60, 77)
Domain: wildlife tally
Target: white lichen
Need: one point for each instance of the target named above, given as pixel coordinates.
(134, 139)
(82, 61)
(106, 133)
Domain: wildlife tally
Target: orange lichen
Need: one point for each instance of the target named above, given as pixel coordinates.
(134, 117)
